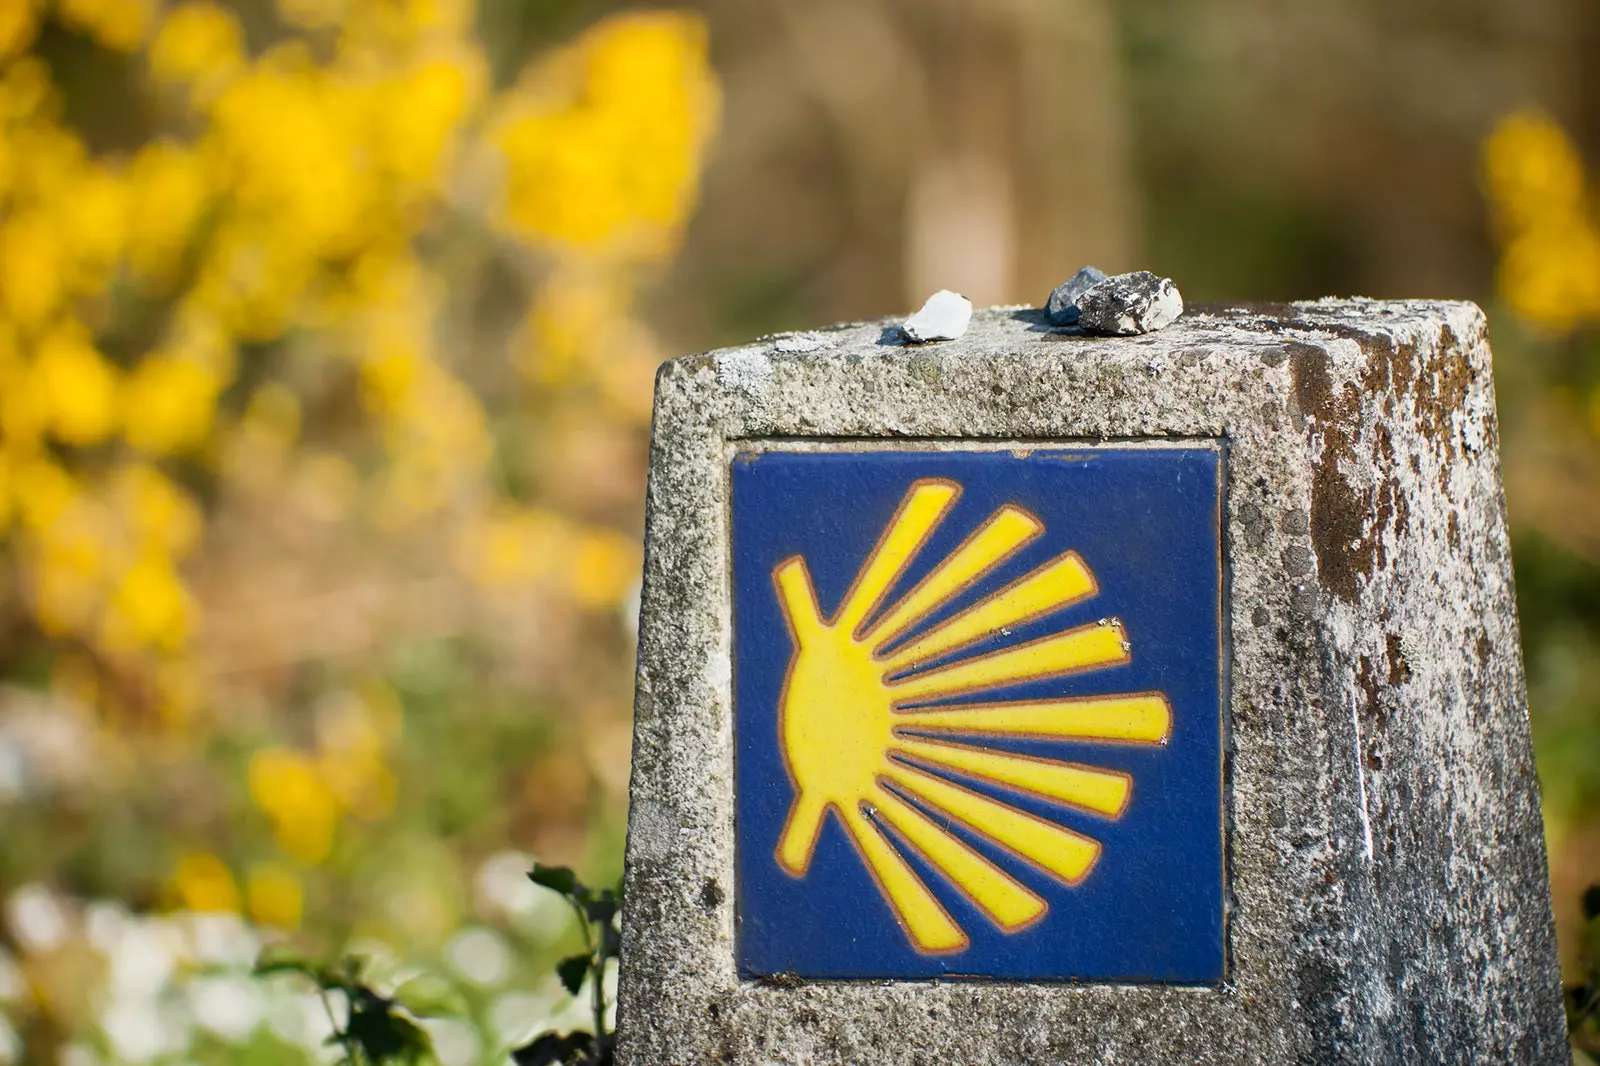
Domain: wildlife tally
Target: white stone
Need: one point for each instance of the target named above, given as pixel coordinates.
(943, 318)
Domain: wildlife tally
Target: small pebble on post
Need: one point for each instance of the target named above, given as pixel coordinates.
(1062, 306)
(1128, 304)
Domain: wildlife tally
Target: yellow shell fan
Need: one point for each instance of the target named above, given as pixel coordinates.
(859, 739)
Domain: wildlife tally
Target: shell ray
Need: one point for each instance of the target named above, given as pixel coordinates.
(1101, 791)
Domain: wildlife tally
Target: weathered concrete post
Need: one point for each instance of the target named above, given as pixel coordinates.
(1040, 698)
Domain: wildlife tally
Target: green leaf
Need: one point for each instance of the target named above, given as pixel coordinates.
(602, 910)
(384, 1036)
(572, 971)
(281, 958)
(427, 996)
(553, 1050)
(555, 878)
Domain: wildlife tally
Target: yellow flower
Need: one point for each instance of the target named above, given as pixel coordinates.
(390, 377)
(304, 811)
(385, 26)
(118, 24)
(351, 761)
(199, 46)
(252, 276)
(1532, 169)
(94, 220)
(569, 319)
(426, 105)
(22, 416)
(314, 14)
(150, 608)
(604, 140)
(7, 504)
(276, 898)
(605, 567)
(33, 269)
(1551, 275)
(75, 386)
(513, 547)
(25, 85)
(44, 492)
(168, 403)
(161, 516)
(19, 21)
(168, 187)
(291, 137)
(67, 567)
(204, 883)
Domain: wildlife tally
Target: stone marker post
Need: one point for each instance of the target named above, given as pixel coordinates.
(1039, 698)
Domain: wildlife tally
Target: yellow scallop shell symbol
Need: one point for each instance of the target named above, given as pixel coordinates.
(874, 723)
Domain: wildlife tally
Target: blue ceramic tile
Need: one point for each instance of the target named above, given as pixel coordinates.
(978, 714)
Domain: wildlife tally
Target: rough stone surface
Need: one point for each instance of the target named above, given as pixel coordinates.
(1128, 304)
(944, 317)
(1062, 306)
(1388, 894)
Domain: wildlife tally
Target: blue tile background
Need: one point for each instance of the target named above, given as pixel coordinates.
(1147, 522)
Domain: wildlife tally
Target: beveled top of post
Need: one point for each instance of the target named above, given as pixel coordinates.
(1014, 328)
(866, 378)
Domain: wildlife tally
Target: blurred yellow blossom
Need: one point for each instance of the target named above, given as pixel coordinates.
(276, 896)
(198, 46)
(160, 515)
(117, 24)
(1532, 169)
(420, 111)
(33, 269)
(168, 187)
(204, 883)
(19, 21)
(602, 141)
(168, 403)
(149, 608)
(351, 752)
(304, 811)
(513, 547)
(1550, 261)
(604, 568)
(70, 562)
(74, 386)
(94, 226)
(43, 490)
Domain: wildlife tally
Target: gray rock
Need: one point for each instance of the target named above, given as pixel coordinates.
(943, 317)
(1062, 306)
(1127, 304)
(1388, 895)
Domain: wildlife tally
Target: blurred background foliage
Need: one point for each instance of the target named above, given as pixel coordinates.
(326, 338)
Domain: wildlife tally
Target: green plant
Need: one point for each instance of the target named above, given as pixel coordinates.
(1583, 999)
(379, 1030)
(597, 917)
